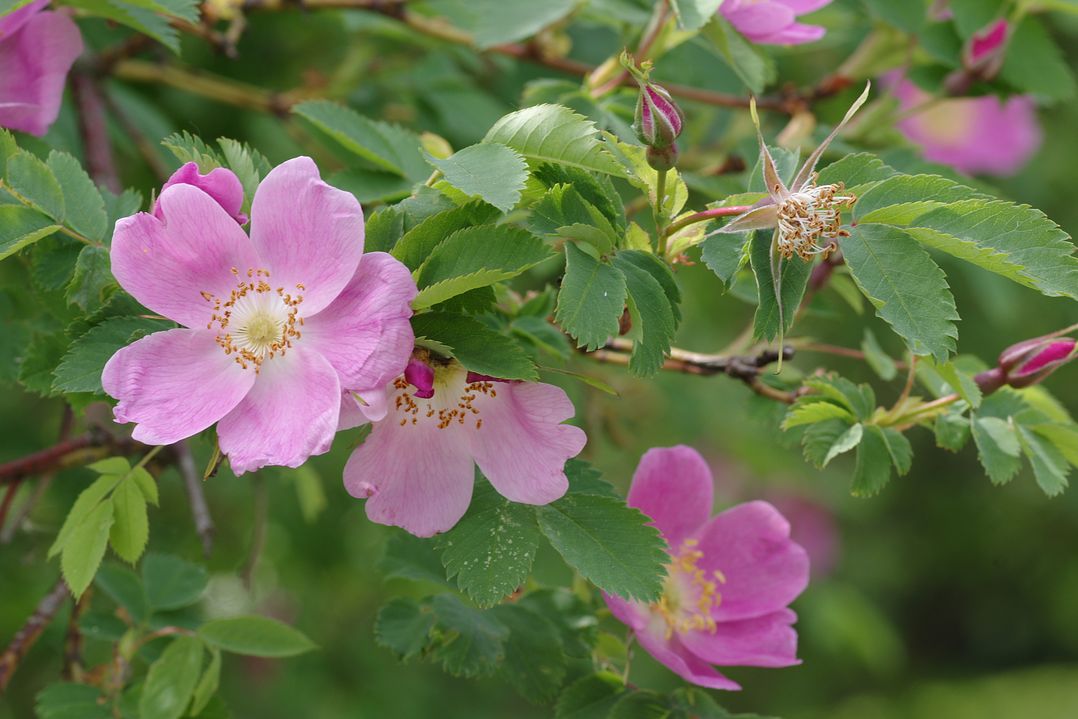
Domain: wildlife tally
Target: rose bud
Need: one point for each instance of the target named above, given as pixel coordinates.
(984, 52)
(1029, 362)
(658, 118)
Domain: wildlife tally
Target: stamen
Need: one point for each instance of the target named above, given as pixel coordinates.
(443, 408)
(809, 221)
(690, 594)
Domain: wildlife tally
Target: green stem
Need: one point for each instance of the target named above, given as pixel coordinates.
(660, 211)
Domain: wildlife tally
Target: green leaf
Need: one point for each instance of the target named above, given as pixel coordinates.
(65, 700)
(20, 227)
(494, 22)
(1063, 436)
(643, 176)
(39, 361)
(908, 289)
(660, 271)
(900, 450)
(87, 501)
(820, 439)
(591, 299)
(249, 165)
(958, 381)
(534, 661)
(998, 447)
(171, 680)
(144, 21)
(84, 548)
(873, 468)
(908, 15)
(386, 147)
(124, 587)
(795, 276)
(476, 257)
(901, 198)
(477, 347)
(1014, 241)
(1035, 64)
(1050, 466)
(93, 279)
(472, 643)
(857, 172)
(255, 636)
(611, 544)
(640, 704)
(725, 254)
(171, 582)
(597, 190)
(591, 697)
(207, 684)
(752, 66)
(119, 206)
(952, 430)
(844, 443)
(191, 148)
(403, 627)
(34, 181)
(84, 208)
(415, 245)
(556, 134)
(412, 558)
(694, 14)
(490, 171)
(80, 369)
(491, 550)
(858, 398)
(880, 362)
(652, 316)
(812, 409)
(130, 528)
(563, 212)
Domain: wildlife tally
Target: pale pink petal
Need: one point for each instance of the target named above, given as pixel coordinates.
(759, 19)
(174, 384)
(767, 641)
(417, 477)
(632, 614)
(219, 183)
(674, 487)
(168, 264)
(359, 407)
(764, 569)
(365, 333)
(802, 7)
(13, 21)
(677, 658)
(289, 415)
(522, 446)
(307, 232)
(34, 62)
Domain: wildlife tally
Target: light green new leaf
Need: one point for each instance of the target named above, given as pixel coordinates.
(907, 288)
(844, 443)
(591, 299)
(807, 411)
(171, 680)
(1050, 466)
(490, 171)
(130, 528)
(85, 504)
(556, 134)
(255, 636)
(84, 548)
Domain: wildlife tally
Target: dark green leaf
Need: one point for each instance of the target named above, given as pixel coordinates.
(403, 626)
(84, 208)
(171, 582)
(80, 369)
(471, 642)
(92, 281)
(591, 299)
(591, 697)
(534, 661)
(20, 227)
(124, 587)
(412, 558)
(795, 275)
(490, 171)
(34, 182)
(653, 323)
(64, 700)
(477, 347)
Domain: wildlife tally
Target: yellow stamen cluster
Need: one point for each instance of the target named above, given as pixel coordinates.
(409, 405)
(690, 594)
(809, 220)
(256, 321)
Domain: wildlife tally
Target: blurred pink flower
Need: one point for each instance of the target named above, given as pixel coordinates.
(813, 526)
(221, 184)
(729, 580)
(971, 134)
(773, 22)
(417, 467)
(275, 325)
(37, 49)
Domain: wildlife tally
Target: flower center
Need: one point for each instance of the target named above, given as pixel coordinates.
(453, 401)
(809, 220)
(690, 593)
(256, 321)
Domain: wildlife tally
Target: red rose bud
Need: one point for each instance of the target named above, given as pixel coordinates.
(662, 158)
(658, 118)
(984, 52)
(1029, 362)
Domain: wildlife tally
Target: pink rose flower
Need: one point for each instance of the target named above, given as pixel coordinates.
(430, 429)
(37, 49)
(730, 576)
(275, 325)
(971, 134)
(773, 22)
(220, 184)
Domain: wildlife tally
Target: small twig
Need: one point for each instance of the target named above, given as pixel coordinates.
(94, 129)
(838, 351)
(258, 531)
(192, 482)
(95, 444)
(25, 638)
(200, 83)
(72, 670)
(908, 387)
(5, 504)
(705, 216)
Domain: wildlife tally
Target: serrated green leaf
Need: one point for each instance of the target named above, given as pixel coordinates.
(130, 527)
(87, 501)
(598, 190)
(811, 412)
(873, 468)
(535, 663)
(138, 18)
(858, 172)
(653, 323)
(901, 198)
(1035, 64)
(997, 448)
(952, 430)
(493, 22)
(1050, 467)
(858, 398)
(491, 549)
(34, 181)
(255, 636)
(476, 257)
(84, 547)
(908, 289)
(471, 642)
(1063, 436)
(591, 299)
(555, 134)
(65, 700)
(477, 347)
(84, 208)
(82, 364)
(591, 697)
(403, 627)
(795, 276)
(694, 14)
(900, 450)
(21, 227)
(819, 438)
(749, 63)
(171, 680)
(171, 582)
(92, 281)
(643, 176)
(563, 212)
(958, 381)
(490, 171)
(124, 587)
(249, 165)
(640, 704)
(412, 558)
(119, 206)
(844, 443)
(414, 246)
(725, 254)
(609, 543)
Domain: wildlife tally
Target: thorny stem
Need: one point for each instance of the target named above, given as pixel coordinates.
(27, 636)
(705, 216)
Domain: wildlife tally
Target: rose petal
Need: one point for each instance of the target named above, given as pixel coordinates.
(13, 21)
(34, 62)
(168, 264)
(672, 654)
(174, 384)
(307, 232)
(219, 183)
(674, 487)
(767, 641)
(289, 415)
(632, 614)
(522, 446)
(759, 19)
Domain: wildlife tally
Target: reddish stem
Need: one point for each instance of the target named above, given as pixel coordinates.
(705, 216)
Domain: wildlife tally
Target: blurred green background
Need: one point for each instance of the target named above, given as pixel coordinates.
(948, 597)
